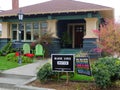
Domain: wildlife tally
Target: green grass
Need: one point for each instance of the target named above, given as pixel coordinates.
(78, 77)
(5, 65)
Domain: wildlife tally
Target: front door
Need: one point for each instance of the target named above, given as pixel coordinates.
(77, 32)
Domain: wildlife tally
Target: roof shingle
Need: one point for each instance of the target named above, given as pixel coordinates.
(56, 6)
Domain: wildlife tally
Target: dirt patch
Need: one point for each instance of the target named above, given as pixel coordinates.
(61, 85)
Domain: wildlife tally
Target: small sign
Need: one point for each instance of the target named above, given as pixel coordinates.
(62, 62)
(83, 65)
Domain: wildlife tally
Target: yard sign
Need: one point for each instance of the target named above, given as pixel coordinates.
(83, 65)
(62, 62)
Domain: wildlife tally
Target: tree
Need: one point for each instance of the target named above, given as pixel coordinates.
(109, 37)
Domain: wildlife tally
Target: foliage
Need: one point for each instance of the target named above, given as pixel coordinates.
(105, 71)
(7, 48)
(66, 38)
(5, 64)
(45, 40)
(109, 40)
(78, 77)
(45, 73)
(12, 57)
(81, 53)
(26, 59)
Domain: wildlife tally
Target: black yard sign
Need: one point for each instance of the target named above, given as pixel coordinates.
(83, 65)
(63, 62)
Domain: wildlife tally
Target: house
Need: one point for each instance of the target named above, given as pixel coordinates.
(70, 21)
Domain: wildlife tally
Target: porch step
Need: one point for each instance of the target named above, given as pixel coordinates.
(69, 51)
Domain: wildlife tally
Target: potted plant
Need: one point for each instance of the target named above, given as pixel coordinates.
(66, 40)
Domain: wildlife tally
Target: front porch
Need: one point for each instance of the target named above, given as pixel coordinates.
(76, 33)
(71, 33)
(80, 52)
(69, 51)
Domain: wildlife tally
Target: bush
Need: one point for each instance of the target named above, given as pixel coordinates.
(12, 57)
(26, 59)
(105, 71)
(7, 49)
(45, 73)
(109, 40)
(45, 40)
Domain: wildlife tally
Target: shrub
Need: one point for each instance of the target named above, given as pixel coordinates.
(45, 40)
(12, 57)
(109, 40)
(26, 59)
(45, 73)
(7, 49)
(105, 71)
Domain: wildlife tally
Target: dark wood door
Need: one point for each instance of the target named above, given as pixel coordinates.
(78, 35)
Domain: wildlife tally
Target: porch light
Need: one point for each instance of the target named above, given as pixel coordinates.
(20, 17)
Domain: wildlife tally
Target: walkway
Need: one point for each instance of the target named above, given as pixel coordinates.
(29, 70)
(17, 78)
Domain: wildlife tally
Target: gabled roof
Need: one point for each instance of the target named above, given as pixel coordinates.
(56, 6)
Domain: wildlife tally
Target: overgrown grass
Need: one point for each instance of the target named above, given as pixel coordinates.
(5, 65)
(78, 77)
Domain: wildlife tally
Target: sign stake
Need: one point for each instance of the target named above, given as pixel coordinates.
(67, 78)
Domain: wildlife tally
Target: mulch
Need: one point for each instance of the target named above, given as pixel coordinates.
(61, 85)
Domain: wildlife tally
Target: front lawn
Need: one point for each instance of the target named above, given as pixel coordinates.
(4, 64)
(79, 77)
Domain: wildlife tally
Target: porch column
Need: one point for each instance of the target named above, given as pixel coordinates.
(5, 35)
(5, 30)
(52, 27)
(55, 45)
(90, 38)
(91, 24)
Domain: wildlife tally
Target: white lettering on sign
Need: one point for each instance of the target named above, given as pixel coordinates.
(67, 58)
(58, 58)
(62, 63)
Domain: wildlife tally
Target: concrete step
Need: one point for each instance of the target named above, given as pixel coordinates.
(17, 82)
(14, 79)
(12, 82)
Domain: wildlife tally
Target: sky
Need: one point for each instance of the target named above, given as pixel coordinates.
(7, 4)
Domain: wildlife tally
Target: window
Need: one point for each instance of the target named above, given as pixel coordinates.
(36, 30)
(14, 31)
(29, 31)
(22, 32)
(44, 27)
(0, 29)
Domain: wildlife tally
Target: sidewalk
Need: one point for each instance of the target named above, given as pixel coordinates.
(28, 70)
(17, 78)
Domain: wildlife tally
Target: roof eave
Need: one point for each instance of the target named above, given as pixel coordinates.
(53, 12)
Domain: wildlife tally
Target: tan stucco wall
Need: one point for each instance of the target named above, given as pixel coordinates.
(107, 14)
(91, 24)
(5, 30)
(52, 27)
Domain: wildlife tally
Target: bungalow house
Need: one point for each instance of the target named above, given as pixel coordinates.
(71, 22)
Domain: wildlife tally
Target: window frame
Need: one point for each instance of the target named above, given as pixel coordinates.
(40, 30)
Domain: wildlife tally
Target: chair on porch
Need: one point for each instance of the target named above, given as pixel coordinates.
(39, 51)
(26, 48)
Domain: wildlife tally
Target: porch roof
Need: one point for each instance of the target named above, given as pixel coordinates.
(56, 6)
